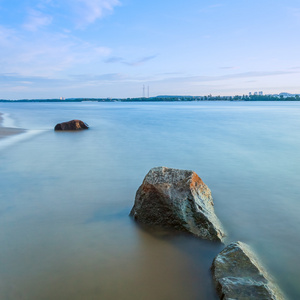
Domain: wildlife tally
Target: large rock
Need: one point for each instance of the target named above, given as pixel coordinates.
(238, 275)
(177, 199)
(71, 125)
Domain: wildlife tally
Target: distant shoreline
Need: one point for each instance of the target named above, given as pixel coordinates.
(244, 98)
(8, 131)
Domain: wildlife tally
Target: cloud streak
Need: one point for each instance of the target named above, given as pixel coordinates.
(120, 77)
(140, 61)
(99, 77)
(91, 10)
(18, 84)
(46, 54)
(83, 12)
(211, 7)
(135, 63)
(36, 20)
(254, 74)
(113, 59)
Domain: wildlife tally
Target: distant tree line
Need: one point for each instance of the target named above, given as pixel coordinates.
(172, 99)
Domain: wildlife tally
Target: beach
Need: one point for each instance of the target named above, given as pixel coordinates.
(7, 131)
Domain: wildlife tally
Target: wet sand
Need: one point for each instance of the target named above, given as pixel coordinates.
(7, 131)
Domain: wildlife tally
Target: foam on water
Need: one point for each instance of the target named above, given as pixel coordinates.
(10, 140)
(7, 121)
(20, 137)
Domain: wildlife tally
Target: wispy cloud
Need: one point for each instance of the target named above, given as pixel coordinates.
(91, 10)
(140, 61)
(255, 74)
(227, 68)
(38, 85)
(244, 75)
(113, 59)
(134, 63)
(36, 20)
(18, 84)
(211, 7)
(20, 79)
(99, 77)
(83, 12)
(121, 77)
(294, 11)
(54, 53)
(7, 37)
(42, 4)
(216, 5)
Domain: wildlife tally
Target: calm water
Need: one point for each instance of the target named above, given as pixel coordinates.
(65, 197)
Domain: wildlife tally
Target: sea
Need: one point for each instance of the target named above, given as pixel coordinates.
(65, 197)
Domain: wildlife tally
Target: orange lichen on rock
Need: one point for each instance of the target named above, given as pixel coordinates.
(196, 181)
(179, 200)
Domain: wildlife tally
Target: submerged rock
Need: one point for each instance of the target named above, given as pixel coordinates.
(177, 199)
(238, 275)
(71, 125)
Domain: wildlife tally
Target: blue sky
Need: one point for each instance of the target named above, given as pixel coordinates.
(111, 48)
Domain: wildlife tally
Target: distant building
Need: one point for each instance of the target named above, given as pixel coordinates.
(260, 93)
(62, 98)
(250, 94)
(255, 93)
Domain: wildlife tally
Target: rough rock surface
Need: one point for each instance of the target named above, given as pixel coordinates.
(177, 199)
(71, 125)
(238, 275)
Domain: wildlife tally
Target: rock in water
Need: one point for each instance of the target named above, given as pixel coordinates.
(238, 275)
(71, 125)
(177, 199)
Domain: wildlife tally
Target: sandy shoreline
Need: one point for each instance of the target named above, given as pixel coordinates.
(7, 131)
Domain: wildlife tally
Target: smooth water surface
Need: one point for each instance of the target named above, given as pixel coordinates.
(65, 196)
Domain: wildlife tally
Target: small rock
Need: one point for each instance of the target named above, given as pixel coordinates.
(238, 275)
(177, 199)
(71, 125)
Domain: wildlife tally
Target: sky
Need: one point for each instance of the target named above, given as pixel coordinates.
(112, 48)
